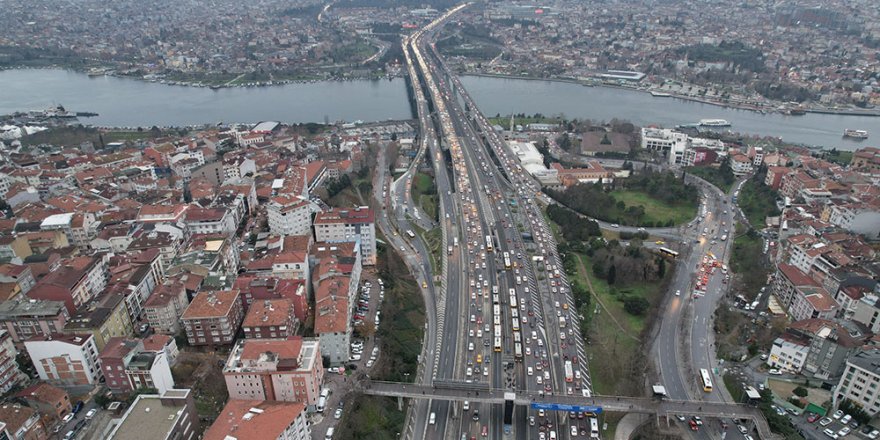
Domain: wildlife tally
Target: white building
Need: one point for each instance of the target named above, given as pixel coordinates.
(289, 215)
(668, 142)
(788, 353)
(260, 420)
(65, 359)
(349, 225)
(861, 218)
(210, 221)
(860, 382)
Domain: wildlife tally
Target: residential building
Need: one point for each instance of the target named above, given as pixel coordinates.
(774, 177)
(857, 216)
(169, 415)
(25, 318)
(270, 318)
(65, 359)
(260, 420)
(740, 164)
(21, 423)
(787, 282)
(213, 318)
(49, 400)
(10, 375)
(789, 353)
(355, 225)
(831, 343)
(18, 274)
(105, 317)
(156, 343)
(860, 382)
(669, 143)
(76, 282)
(210, 221)
(165, 306)
(867, 159)
(332, 318)
(289, 215)
(289, 370)
(811, 302)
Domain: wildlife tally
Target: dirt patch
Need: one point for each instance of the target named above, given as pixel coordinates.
(203, 373)
(592, 142)
(783, 390)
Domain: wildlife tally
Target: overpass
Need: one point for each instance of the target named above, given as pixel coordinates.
(482, 393)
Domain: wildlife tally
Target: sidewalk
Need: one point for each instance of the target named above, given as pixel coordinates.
(628, 424)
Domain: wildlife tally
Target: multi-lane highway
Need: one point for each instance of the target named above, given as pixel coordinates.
(507, 314)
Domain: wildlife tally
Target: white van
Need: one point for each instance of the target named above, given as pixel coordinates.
(432, 419)
(329, 435)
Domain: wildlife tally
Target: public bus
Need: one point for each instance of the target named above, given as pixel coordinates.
(410, 233)
(706, 379)
(489, 245)
(496, 299)
(514, 322)
(517, 337)
(506, 260)
(496, 309)
(517, 351)
(594, 427)
(569, 372)
(498, 344)
(668, 252)
(497, 329)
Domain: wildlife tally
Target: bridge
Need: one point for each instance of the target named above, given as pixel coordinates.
(482, 393)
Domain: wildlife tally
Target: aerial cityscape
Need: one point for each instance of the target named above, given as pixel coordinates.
(377, 219)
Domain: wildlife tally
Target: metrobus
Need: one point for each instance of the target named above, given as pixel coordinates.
(489, 245)
(514, 322)
(517, 351)
(498, 344)
(506, 260)
(496, 309)
(497, 329)
(569, 372)
(517, 337)
(706, 379)
(594, 427)
(496, 320)
(496, 299)
(668, 252)
(410, 233)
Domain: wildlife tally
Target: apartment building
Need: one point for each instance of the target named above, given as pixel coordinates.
(169, 415)
(260, 420)
(210, 221)
(165, 306)
(21, 423)
(213, 318)
(10, 375)
(106, 317)
(811, 302)
(49, 400)
(860, 382)
(349, 225)
(270, 318)
(789, 353)
(289, 370)
(64, 359)
(333, 318)
(76, 282)
(25, 318)
(289, 215)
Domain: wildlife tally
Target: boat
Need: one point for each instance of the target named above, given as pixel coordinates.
(660, 94)
(714, 123)
(856, 134)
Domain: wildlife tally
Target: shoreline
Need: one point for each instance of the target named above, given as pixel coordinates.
(598, 83)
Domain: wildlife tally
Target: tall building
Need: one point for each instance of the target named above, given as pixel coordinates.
(21, 423)
(165, 306)
(260, 420)
(342, 225)
(213, 318)
(288, 370)
(289, 215)
(10, 375)
(65, 359)
(170, 415)
(861, 381)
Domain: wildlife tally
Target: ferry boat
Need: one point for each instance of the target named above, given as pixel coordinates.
(857, 134)
(714, 123)
(660, 94)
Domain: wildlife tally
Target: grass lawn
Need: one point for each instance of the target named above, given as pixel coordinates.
(433, 240)
(371, 417)
(758, 202)
(655, 210)
(748, 262)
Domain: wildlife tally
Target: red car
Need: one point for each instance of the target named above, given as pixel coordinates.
(485, 430)
(693, 425)
(813, 417)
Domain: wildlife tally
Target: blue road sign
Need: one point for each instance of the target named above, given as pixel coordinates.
(563, 407)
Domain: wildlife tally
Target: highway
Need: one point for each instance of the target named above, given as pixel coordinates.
(510, 305)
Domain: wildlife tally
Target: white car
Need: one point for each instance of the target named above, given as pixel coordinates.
(91, 413)
(837, 414)
(338, 413)
(530, 371)
(776, 372)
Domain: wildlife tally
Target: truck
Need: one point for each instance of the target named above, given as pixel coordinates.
(659, 390)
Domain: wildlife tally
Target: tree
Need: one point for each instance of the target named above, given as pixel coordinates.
(612, 274)
(800, 392)
(635, 305)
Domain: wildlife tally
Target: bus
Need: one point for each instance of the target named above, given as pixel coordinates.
(517, 337)
(514, 322)
(497, 329)
(496, 309)
(496, 299)
(498, 344)
(706, 379)
(489, 245)
(506, 260)
(594, 427)
(668, 252)
(496, 320)
(569, 372)
(410, 233)
(517, 351)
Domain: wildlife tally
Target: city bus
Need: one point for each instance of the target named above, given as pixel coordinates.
(489, 245)
(668, 252)
(594, 427)
(517, 351)
(498, 344)
(569, 372)
(496, 299)
(410, 233)
(514, 322)
(497, 329)
(517, 337)
(506, 260)
(706, 379)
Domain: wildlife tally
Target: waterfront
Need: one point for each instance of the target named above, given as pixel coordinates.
(132, 103)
